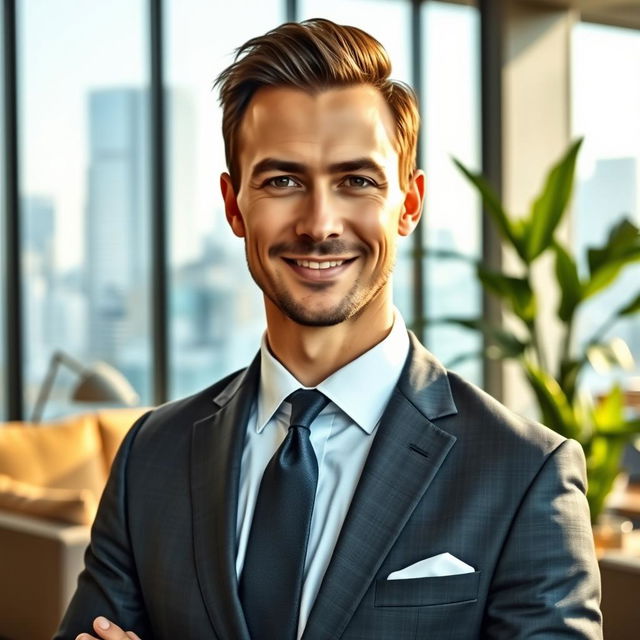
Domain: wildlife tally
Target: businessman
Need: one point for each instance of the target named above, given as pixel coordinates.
(344, 485)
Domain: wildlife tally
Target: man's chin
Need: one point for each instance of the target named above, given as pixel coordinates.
(314, 317)
(318, 319)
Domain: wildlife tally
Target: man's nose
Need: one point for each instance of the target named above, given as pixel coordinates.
(319, 218)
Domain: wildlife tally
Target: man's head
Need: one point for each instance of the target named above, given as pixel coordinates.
(321, 183)
(315, 55)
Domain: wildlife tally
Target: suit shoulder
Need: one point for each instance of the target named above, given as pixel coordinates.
(191, 408)
(480, 416)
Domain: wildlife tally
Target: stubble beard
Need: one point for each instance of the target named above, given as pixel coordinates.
(352, 305)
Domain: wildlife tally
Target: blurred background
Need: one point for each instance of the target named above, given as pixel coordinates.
(114, 246)
(114, 243)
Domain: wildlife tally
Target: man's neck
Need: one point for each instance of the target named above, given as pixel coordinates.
(312, 354)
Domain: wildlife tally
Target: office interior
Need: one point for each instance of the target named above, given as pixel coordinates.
(115, 249)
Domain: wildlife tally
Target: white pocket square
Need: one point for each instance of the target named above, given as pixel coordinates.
(444, 564)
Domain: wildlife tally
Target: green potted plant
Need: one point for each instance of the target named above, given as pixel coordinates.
(601, 426)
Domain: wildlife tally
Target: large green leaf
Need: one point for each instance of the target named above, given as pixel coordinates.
(630, 308)
(612, 431)
(550, 205)
(555, 408)
(516, 292)
(508, 229)
(568, 281)
(608, 414)
(605, 276)
(603, 465)
(605, 263)
(568, 379)
(621, 237)
(627, 428)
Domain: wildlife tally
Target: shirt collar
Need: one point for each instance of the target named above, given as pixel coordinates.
(361, 388)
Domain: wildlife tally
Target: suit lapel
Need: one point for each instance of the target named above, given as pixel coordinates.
(216, 453)
(405, 456)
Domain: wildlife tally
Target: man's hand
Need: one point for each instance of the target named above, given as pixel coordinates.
(108, 631)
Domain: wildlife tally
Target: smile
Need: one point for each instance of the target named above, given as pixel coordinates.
(310, 264)
(319, 270)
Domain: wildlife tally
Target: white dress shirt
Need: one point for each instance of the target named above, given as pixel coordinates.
(341, 437)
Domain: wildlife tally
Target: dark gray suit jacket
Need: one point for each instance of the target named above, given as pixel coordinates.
(450, 470)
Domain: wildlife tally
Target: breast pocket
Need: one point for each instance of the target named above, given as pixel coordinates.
(422, 592)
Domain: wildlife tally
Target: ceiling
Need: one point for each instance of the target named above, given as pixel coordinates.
(615, 12)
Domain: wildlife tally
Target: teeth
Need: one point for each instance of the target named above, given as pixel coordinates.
(311, 264)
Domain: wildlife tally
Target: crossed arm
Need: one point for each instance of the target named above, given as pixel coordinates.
(107, 630)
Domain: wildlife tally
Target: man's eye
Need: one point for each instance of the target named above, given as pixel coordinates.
(358, 182)
(282, 182)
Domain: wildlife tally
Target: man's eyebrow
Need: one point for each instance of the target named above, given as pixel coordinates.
(274, 164)
(359, 164)
(287, 166)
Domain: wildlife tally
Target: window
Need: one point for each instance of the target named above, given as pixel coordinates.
(84, 189)
(452, 217)
(3, 319)
(216, 312)
(606, 104)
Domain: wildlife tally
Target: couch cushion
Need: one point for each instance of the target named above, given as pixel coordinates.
(113, 425)
(75, 506)
(60, 455)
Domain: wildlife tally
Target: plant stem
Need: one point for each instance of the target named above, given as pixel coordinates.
(535, 333)
(604, 327)
(566, 343)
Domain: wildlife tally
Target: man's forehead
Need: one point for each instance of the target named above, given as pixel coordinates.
(354, 115)
(282, 96)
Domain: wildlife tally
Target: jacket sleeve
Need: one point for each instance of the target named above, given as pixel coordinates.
(547, 583)
(108, 585)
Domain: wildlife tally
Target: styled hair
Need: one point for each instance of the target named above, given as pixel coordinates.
(315, 55)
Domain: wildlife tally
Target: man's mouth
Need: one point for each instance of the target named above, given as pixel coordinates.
(312, 264)
(314, 269)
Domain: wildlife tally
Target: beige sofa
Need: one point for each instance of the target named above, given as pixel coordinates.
(51, 477)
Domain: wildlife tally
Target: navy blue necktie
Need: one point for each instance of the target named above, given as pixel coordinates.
(272, 576)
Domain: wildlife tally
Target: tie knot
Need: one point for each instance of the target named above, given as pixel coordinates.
(306, 404)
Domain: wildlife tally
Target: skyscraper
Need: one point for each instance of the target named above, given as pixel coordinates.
(39, 267)
(117, 228)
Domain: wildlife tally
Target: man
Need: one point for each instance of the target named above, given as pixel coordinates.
(395, 500)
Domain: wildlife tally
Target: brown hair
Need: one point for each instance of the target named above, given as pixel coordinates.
(315, 55)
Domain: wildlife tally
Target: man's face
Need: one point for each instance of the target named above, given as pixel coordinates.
(320, 204)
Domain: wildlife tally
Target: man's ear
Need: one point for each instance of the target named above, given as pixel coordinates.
(413, 201)
(232, 212)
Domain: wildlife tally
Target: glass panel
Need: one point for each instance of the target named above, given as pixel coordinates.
(390, 23)
(3, 275)
(451, 128)
(606, 104)
(216, 313)
(387, 20)
(84, 161)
